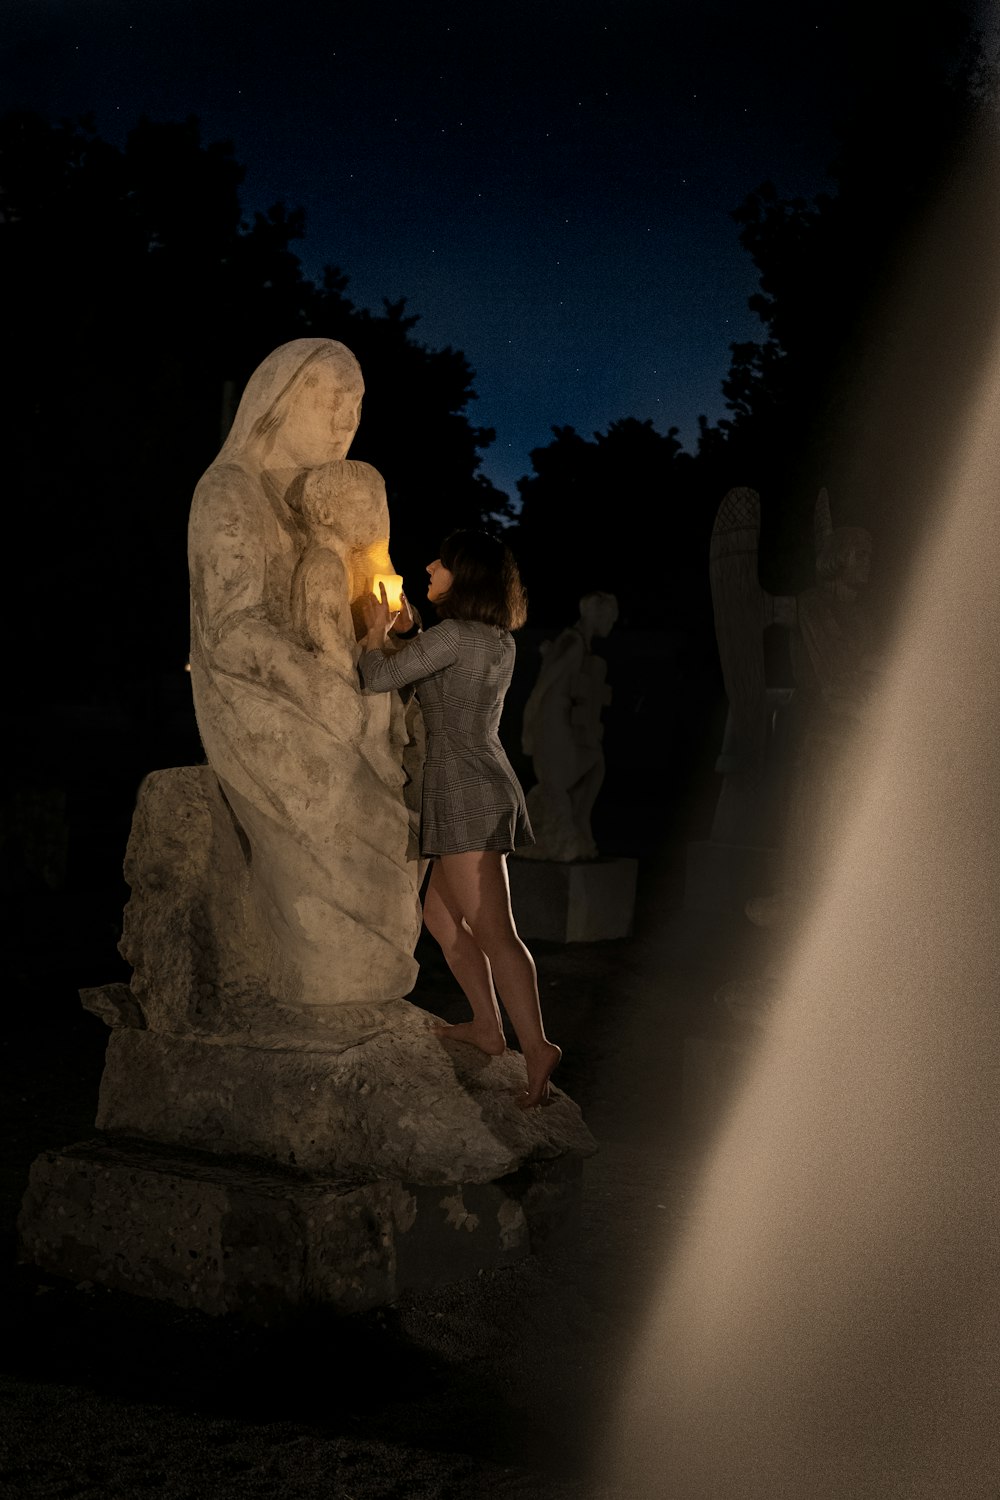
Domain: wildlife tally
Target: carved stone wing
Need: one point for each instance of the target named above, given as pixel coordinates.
(741, 612)
(822, 523)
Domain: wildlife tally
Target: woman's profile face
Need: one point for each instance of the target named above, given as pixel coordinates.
(441, 580)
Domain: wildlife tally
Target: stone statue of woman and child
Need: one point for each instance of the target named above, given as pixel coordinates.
(274, 913)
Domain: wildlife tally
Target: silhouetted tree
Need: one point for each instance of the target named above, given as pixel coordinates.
(621, 512)
(838, 293)
(135, 302)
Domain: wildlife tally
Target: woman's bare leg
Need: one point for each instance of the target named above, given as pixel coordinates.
(477, 888)
(470, 966)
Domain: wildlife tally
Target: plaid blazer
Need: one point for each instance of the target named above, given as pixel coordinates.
(461, 670)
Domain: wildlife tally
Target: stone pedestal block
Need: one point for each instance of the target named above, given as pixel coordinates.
(231, 1236)
(567, 902)
(722, 877)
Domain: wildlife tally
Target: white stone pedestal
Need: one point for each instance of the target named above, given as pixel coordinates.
(588, 901)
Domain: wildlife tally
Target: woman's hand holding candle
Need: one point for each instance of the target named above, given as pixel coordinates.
(405, 620)
(379, 619)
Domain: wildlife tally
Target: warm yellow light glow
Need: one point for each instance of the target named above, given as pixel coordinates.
(393, 588)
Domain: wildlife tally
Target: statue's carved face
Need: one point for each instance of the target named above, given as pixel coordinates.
(320, 419)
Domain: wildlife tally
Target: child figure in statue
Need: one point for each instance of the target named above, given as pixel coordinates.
(336, 501)
(473, 812)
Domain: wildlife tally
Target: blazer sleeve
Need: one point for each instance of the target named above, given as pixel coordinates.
(430, 652)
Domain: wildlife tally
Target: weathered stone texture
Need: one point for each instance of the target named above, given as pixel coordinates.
(399, 1102)
(227, 1236)
(197, 962)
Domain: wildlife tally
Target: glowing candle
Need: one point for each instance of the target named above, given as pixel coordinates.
(393, 588)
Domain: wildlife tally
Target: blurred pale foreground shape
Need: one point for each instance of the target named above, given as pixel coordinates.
(830, 1327)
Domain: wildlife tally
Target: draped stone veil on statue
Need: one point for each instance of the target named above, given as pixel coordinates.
(313, 771)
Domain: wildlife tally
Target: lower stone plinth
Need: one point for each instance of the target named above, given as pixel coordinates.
(723, 877)
(230, 1236)
(589, 901)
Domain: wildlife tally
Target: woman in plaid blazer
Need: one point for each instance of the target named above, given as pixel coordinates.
(473, 811)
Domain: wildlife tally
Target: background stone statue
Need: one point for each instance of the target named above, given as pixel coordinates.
(747, 809)
(836, 676)
(801, 799)
(832, 658)
(764, 799)
(563, 734)
(285, 535)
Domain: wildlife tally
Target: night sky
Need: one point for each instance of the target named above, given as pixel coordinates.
(548, 184)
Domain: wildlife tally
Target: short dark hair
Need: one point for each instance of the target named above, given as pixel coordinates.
(486, 584)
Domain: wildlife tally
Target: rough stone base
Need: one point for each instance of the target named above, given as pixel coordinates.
(230, 1236)
(395, 1103)
(723, 877)
(588, 902)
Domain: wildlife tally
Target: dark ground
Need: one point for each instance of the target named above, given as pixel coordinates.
(502, 1386)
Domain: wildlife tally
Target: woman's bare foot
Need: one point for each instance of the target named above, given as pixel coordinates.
(486, 1038)
(541, 1065)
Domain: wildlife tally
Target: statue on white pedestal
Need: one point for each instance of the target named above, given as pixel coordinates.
(563, 734)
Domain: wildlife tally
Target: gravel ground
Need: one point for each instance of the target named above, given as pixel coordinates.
(503, 1386)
